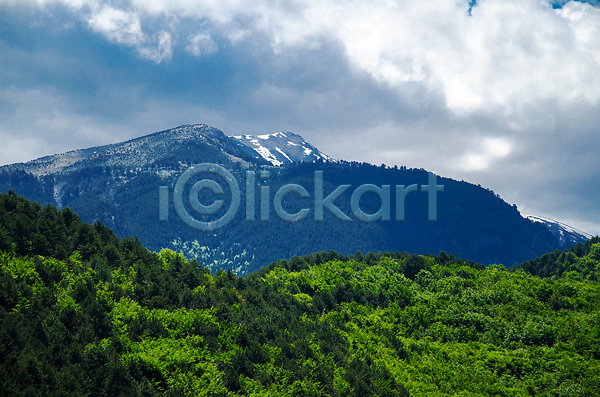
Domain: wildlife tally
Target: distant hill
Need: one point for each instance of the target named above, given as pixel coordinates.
(132, 188)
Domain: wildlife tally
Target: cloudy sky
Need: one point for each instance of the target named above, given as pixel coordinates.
(503, 93)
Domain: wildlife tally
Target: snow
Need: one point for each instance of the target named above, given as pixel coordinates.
(267, 155)
(535, 219)
(284, 155)
(282, 147)
(562, 227)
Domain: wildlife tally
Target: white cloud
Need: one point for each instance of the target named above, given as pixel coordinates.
(163, 49)
(70, 3)
(118, 26)
(507, 54)
(201, 44)
(488, 151)
(583, 19)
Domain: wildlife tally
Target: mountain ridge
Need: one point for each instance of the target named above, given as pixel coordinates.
(566, 234)
(120, 151)
(128, 152)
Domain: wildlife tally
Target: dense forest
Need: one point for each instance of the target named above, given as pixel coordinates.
(83, 312)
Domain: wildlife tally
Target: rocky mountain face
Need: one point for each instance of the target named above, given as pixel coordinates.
(280, 196)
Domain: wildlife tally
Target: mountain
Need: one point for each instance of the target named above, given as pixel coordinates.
(282, 148)
(147, 187)
(567, 235)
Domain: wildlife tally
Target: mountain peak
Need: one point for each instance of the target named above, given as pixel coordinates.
(282, 148)
(188, 132)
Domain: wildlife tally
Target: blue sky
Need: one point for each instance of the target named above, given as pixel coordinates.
(506, 95)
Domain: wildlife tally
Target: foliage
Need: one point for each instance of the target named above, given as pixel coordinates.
(233, 256)
(124, 321)
(580, 262)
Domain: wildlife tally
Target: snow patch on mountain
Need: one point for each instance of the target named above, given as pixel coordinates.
(565, 234)
(265, 153)
(285, 155)
(282, 148)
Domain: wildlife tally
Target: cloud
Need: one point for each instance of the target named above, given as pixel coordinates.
(41, 110)
(201, 44)
(162, 51)
(505, 93)
(117, 25)
(124, 27)
(501, 54)
(488, 151)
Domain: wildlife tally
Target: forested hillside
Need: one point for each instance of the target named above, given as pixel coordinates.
(581, 262)
(85, 313)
